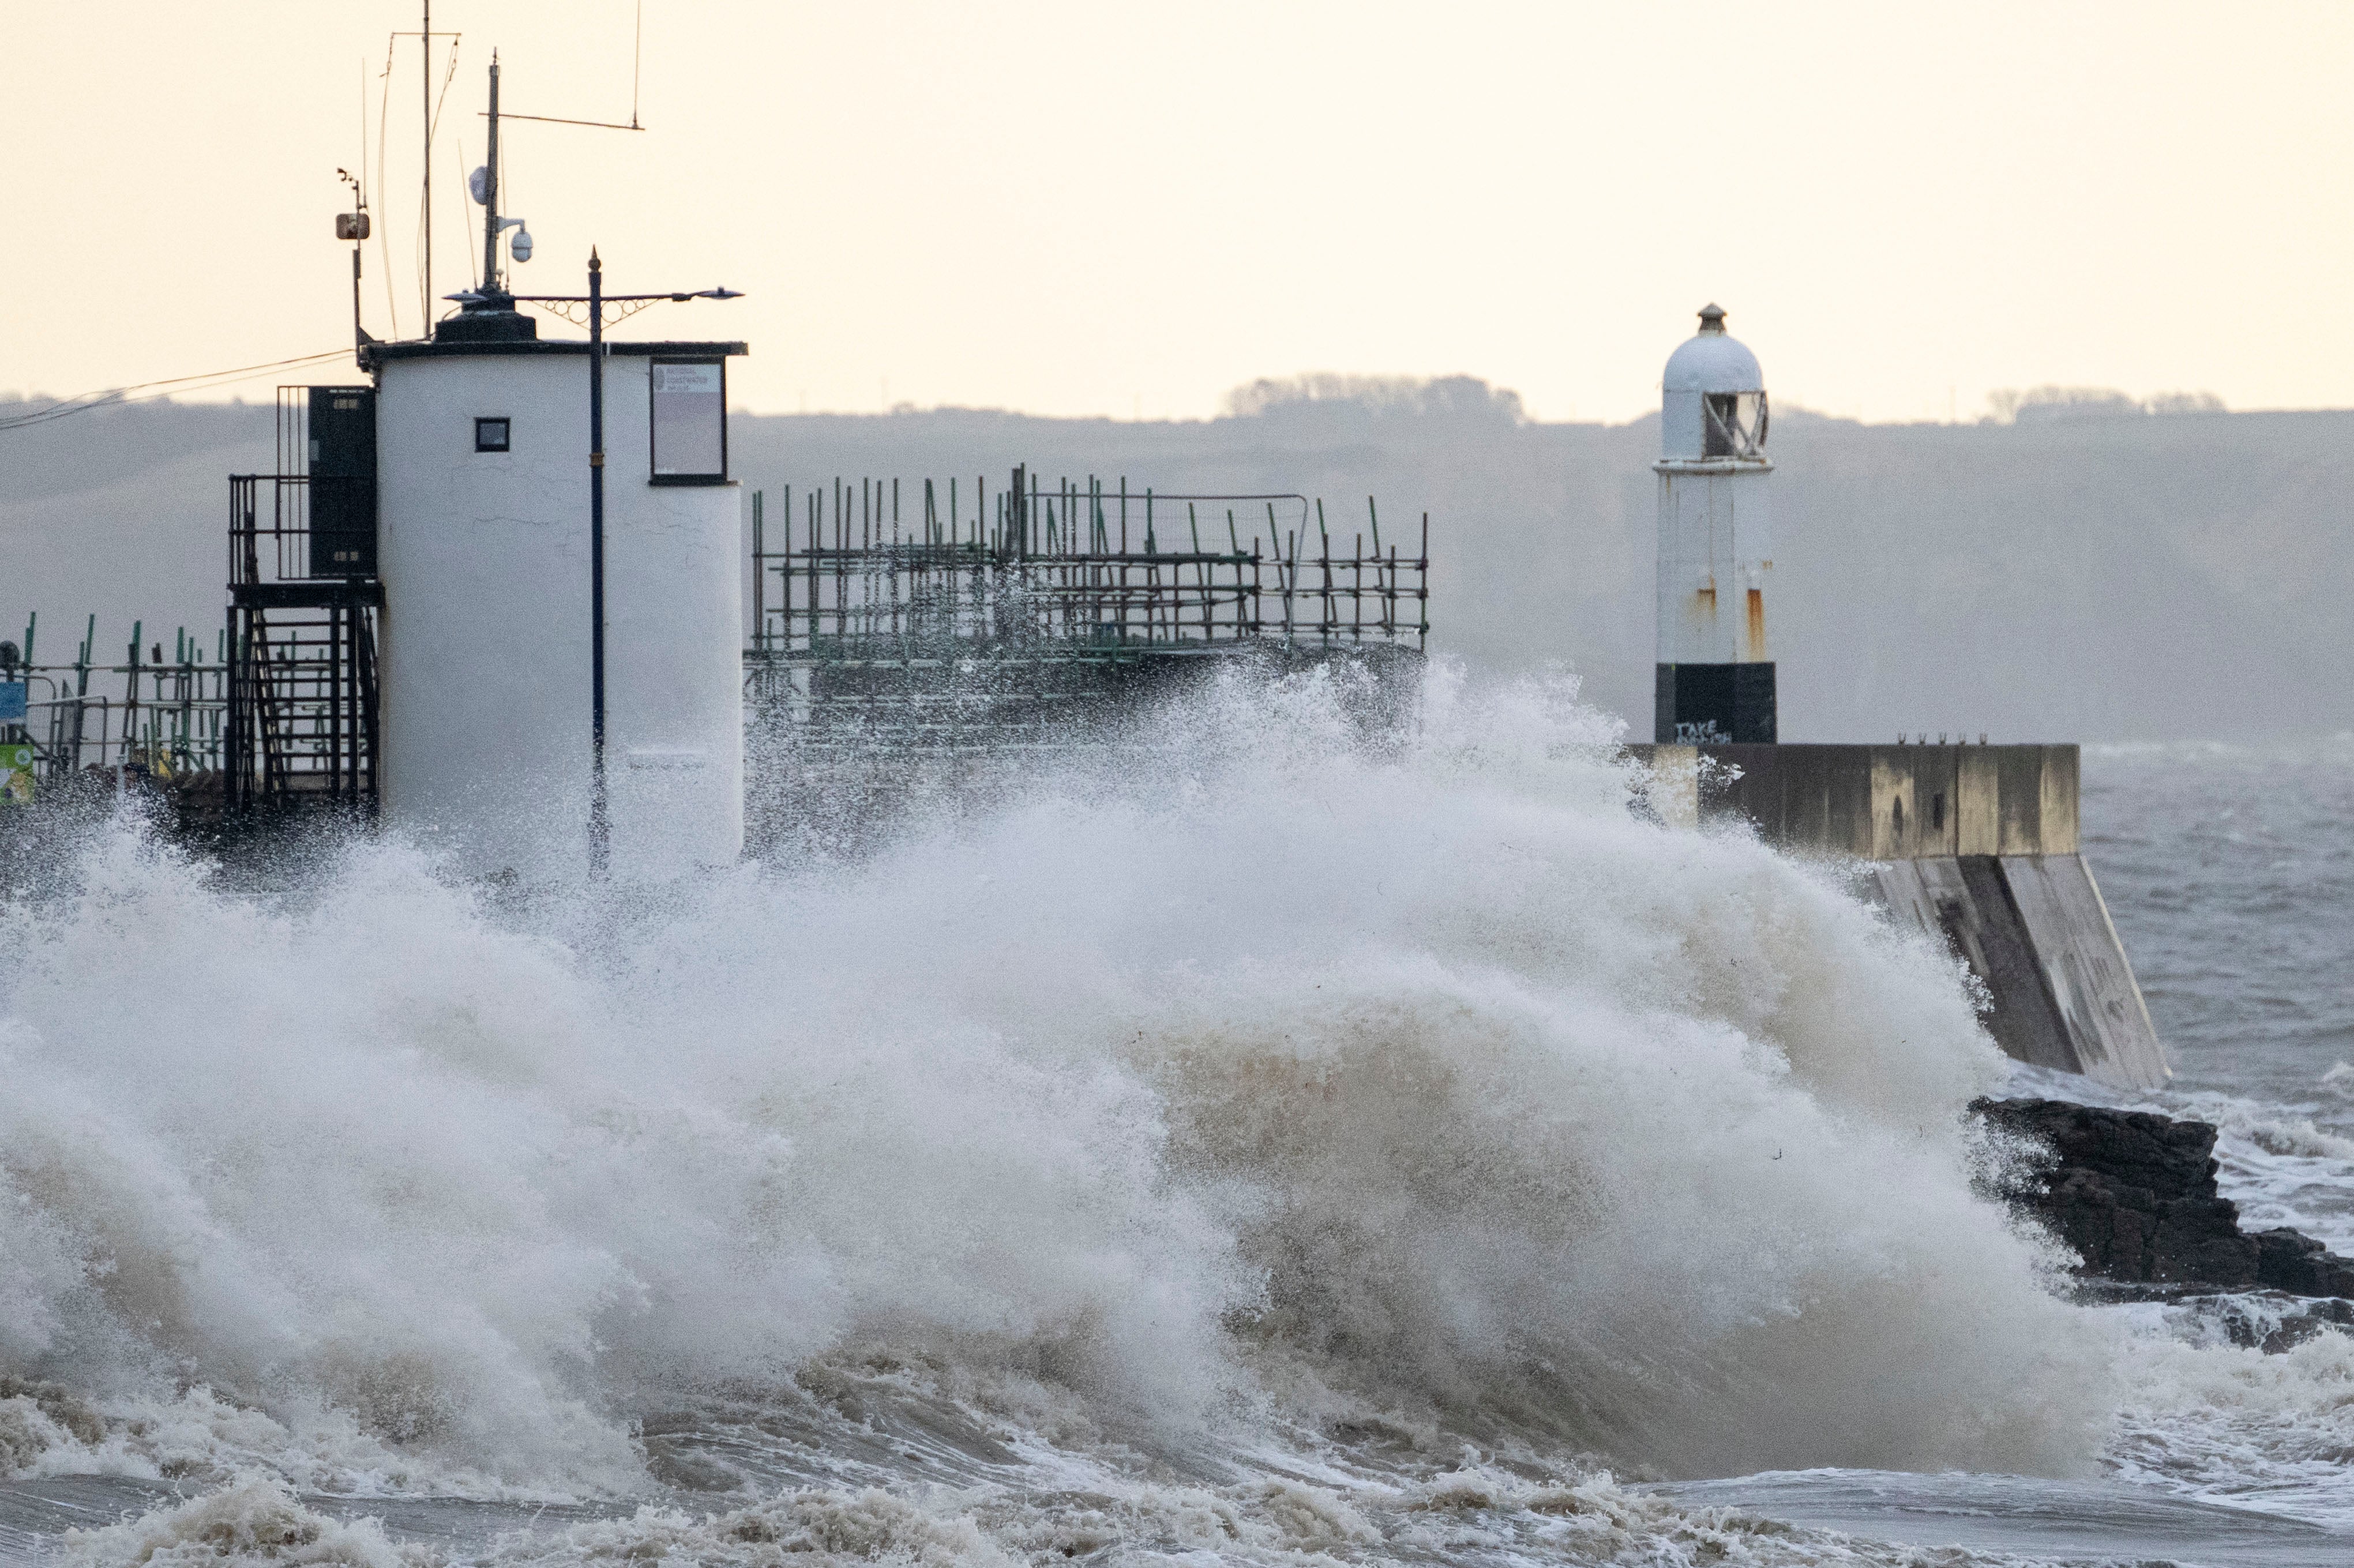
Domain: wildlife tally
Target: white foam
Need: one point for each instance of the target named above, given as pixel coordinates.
(2237, 1426)
(1303, 1076)
(1476, 1513)
(253, 1519)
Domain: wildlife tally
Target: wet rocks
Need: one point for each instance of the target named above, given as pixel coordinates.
(2297, 1327)
(2133, 1194)
(2292, 1261)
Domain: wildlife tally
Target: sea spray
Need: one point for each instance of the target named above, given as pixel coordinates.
(1300, 1086)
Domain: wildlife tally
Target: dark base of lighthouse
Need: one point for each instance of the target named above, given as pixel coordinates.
(1714, 704)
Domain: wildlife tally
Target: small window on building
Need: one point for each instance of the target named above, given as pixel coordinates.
(689, 420)
(490, 435)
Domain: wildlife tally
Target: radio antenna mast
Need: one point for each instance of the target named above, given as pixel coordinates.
(489, 194)
(425, 43)
(637, 58)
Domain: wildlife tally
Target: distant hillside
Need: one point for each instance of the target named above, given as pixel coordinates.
(123, 511)
(2106, 576)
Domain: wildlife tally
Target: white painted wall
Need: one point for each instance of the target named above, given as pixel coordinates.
(1716, 534)
(1716, 549)
(485, 655)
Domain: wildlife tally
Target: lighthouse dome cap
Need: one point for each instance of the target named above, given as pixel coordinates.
(1710, 361)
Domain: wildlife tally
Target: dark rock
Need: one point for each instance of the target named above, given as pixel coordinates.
(2296, 1328)
(2133, 1194)
(2292, 1261)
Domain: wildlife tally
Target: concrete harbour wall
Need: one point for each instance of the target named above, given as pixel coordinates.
(1975, 845)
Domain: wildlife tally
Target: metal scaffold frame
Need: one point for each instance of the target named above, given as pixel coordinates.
(166, 723)
(1074, 571)
(901, 631)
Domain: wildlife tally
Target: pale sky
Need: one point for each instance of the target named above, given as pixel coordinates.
(1122, 209)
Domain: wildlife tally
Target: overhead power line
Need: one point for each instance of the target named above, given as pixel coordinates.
(147, 391)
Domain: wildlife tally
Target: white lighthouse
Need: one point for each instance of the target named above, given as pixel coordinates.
(1716, 545)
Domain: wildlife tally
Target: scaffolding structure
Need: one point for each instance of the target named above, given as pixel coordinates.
(903, 633)
(1074, 571)
(147, 715)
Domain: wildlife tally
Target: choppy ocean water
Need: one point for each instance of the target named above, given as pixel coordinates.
(1304, 1153)
(2229, 874)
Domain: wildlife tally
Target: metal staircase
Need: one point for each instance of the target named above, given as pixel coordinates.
(303, 605)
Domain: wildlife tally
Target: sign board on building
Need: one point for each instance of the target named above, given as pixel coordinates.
(690, 420)
(15, 773)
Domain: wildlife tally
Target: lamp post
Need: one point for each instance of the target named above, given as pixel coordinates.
(600, 826)
(597, 299)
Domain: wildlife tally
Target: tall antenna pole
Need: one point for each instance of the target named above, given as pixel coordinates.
(599, 824)
(359, 226)
(490, 191)
(355, 226)
(425, 42)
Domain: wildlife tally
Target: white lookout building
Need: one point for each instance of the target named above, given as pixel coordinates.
(483, 549)
(496, 595)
